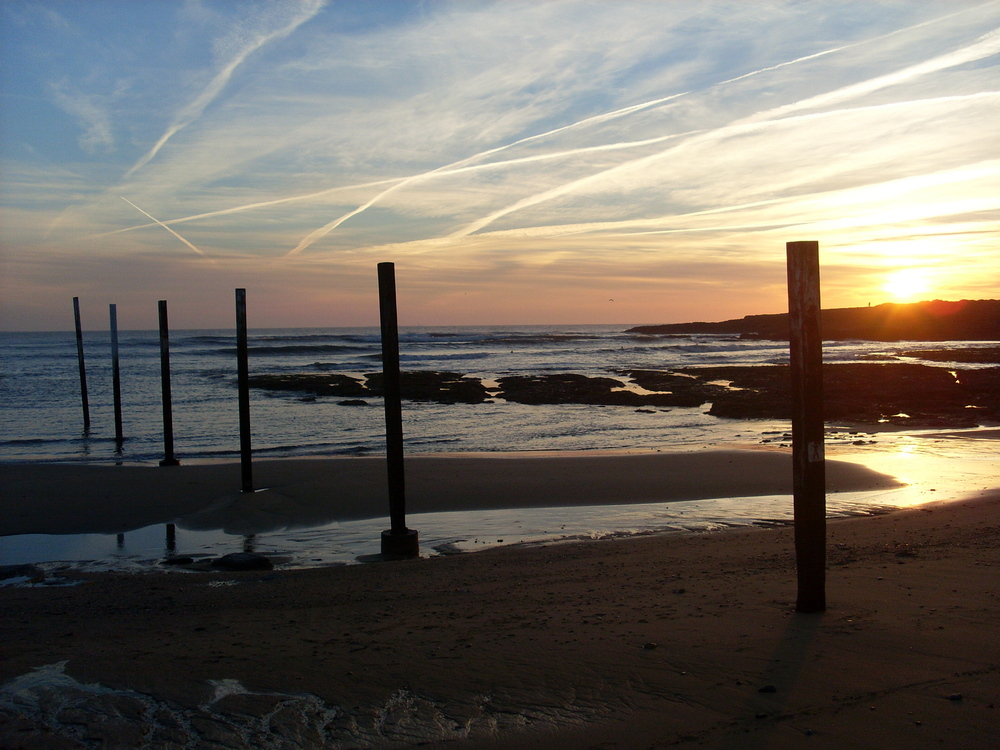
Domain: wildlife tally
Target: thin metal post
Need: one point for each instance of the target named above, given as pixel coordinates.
(116, 379)
(168, 418)
(83, 367)
(808, 453)
(243, 376)
(398, 540)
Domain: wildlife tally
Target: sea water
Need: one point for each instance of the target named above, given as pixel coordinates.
(41, 420)
(41, 415)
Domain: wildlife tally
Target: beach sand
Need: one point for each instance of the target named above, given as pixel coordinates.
(682, 640)
(88, 498)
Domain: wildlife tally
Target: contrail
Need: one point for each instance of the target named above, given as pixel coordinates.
(193, 111)
(453, 170)
(986, 46)
(458, 166)
(979, 170)
(450, 169)
(250, 206)
(162, 225)
(439, 172)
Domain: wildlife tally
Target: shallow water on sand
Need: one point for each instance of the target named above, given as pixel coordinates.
(933, 466)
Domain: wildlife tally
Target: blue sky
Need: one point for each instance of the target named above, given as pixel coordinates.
(520, 162)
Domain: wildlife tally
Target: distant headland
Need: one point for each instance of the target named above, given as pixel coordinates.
(936, 320)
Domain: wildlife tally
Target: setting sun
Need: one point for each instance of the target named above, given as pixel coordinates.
(907, 285)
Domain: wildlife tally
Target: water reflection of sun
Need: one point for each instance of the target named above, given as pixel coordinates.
(907, 284)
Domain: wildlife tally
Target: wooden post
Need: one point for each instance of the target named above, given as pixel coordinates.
(397, 541)
(243, 376)
(808, 455)
(116, 379)
(83, 367)
(168, 417)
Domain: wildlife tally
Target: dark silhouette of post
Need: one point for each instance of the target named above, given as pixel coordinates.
(168, 417)
(116, 378)
(397, 541)
(243, 376)
(808, 454)
(83, 367)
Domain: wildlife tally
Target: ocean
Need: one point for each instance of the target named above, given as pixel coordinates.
(41, 421)
(42, 417)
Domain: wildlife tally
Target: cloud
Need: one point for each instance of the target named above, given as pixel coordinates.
(520, 141)
(91, 112)
(238, 47)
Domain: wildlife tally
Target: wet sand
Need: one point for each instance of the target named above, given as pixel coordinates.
(677, 640)
(72, 498)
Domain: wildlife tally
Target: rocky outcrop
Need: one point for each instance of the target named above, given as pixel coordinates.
(909, 394)
(569, 388)
(865, 392)
(442, 387)
(314, 383)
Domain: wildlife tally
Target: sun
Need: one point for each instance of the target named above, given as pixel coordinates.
(907, 284)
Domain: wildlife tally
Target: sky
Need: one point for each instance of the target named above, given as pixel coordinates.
(543, 162)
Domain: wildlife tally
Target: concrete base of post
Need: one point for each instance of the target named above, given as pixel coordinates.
(399, 546)
(170, 462)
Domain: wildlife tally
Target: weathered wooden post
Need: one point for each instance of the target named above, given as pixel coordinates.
(168, 417)
(83, 367)
(116, 379)
(243, 376)
(397, 541)
(808, 454)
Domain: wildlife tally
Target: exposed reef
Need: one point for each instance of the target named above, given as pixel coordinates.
(909, 394)
(442, 387)
(570, 388)
(983, 355)
(314, 383)
(902, 393)
(884, 391)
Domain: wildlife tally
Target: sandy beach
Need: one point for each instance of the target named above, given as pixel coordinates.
(67, 498)
(676, 640)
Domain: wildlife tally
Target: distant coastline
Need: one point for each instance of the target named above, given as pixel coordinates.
(934, 320)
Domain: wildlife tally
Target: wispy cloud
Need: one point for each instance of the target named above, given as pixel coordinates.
(91, 113)
(254, 41)
(987, 46)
